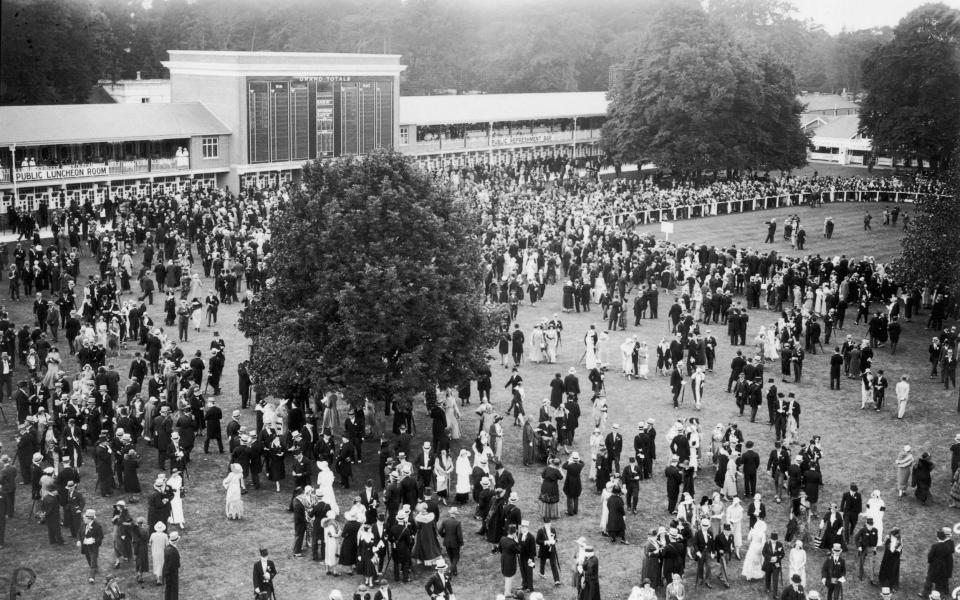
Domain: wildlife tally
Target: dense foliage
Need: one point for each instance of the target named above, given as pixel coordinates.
(693, 98)
(930, 249)
(912, 106)
(54, 51)
(376, 285)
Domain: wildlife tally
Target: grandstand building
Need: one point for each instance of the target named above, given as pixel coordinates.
(239, 119)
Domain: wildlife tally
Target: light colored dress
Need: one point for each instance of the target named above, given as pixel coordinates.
(233, 483)
(753, 561)
(330, 544)
(463, 470)
(175, 483)
(158, 542)
(626, 356)
(798, 564)
(325, 480)
(453, 416)
(604, 510)
(734, 516)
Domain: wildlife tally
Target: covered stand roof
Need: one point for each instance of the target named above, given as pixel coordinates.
(91, 123)
(484, 108)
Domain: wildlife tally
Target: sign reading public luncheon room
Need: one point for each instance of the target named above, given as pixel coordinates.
(26, 174)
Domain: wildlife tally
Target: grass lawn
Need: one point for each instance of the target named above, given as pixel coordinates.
(859, 446)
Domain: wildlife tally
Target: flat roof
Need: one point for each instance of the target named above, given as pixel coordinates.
(483, 108)
(240, 64)
(843, 127)
(91, 123)
(815, 102)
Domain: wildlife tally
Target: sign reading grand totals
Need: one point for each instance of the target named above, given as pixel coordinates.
(47, 174)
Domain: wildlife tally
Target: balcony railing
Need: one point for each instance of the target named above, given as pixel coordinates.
(480, 141)
(102, 169)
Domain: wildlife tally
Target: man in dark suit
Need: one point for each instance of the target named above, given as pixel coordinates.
(794, 591)
(571, 385)
(750, 461)
(939, 565)
(772, 565)
(516, 345)
(851, 505)
(452, 534)
(547, 549)
(674, 481)
(528, 555)
(702, 547)
(676, 384)
(756, 510)
(777, 465)
(424, 466)
(438, 587)
(614, 444)
(264, 572)
(90, 540)
(736, 367)
(503, 479)
(833, 573)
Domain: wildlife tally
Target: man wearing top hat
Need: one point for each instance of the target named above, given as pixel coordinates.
(833, 573)
(264, 572)
(171, 568)
(590, 571)
(91, 536)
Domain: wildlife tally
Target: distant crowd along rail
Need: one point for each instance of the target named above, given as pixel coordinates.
(711, 208)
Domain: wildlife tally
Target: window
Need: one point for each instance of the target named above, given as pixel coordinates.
(210, 147)
(144, 100)
(404, 136)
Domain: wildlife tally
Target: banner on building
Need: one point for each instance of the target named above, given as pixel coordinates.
(28, 174)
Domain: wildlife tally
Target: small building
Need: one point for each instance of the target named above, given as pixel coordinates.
(839, 141)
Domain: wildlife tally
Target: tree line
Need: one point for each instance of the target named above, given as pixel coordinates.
(54, 51)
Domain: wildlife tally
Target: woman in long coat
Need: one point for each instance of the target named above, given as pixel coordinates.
(348, 536)
(275, 470)
(366, 567)
(550, 490)
(131, 482)
(889, 573)
(653, 557)
(426, 548)
(905, 461)
(921, 478)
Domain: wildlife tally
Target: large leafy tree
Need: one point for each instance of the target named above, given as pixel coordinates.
(52, 50)
(690, 98)
(930, 250)
(375, 285)
(912, 106)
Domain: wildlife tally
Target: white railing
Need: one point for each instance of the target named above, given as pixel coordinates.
(728, 207)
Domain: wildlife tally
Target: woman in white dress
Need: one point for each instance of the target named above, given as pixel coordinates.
(552, 339)
(331, 542)
(442, 469)
(771, 351)
(463, 471)
(602, 341)
(797, 559)
(158, 542)
(643, 361)
(730, 477)
(453, 416)
(761, 343)
(626, 357)
(596, 440)
(53, 368)
(604, 511)
(590, 351)
(600, 413)
(325, 479)
(233, 483)
(175, 483)
(876, 508)
(734, 517)
(536, 345)
(753, 561)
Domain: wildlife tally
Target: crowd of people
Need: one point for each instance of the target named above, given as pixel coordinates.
(542, 226)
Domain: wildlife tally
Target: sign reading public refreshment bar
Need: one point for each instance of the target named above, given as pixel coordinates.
(514, 140)
(47, 174)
